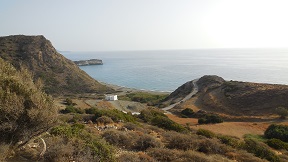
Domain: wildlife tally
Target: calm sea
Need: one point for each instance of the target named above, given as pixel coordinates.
(167, 70)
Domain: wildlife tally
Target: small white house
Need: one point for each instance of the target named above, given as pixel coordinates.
(111, 97)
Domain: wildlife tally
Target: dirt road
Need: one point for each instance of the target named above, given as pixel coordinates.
(193, 92)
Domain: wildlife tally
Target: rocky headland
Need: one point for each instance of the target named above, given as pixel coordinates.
(89, 62)
(60, 75)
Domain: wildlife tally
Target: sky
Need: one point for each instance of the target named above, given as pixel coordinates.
(117, 25)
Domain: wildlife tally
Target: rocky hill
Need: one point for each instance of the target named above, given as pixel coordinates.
(237, 98)
(60, 75)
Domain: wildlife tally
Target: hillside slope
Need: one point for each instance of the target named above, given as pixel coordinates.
(60, 75)
(244, 98)
(239, 98)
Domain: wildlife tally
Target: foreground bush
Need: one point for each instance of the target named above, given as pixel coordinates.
(121, 139)
(74, 143)
(212, 146)
(277, 131)
(230, 141)
(147, 141)
(180, 141)
(25, 111)
(260, 150)
(131, 140)
(206, 133)
(67, 130)
(169, 155)
(277, 144)
(104, 120)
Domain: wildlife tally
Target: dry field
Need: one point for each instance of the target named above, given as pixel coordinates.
(237, 129)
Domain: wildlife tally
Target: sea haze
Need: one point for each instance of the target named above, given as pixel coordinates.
(167, 70)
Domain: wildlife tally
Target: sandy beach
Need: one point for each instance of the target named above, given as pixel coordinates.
(124, 90)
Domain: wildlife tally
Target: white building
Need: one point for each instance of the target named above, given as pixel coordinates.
(111, 97)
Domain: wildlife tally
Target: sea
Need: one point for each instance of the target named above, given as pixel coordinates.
(165, 70)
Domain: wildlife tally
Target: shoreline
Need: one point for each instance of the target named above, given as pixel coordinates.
(121, 90)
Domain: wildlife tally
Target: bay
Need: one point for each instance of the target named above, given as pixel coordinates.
(165, 70)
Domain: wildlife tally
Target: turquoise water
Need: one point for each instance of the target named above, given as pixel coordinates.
(167, 70)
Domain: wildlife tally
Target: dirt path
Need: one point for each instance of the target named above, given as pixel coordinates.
(193, 92)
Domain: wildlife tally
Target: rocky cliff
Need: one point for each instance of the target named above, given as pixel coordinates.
(89, 62)
(60, 75)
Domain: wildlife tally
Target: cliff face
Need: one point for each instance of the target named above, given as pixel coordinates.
(60, 75)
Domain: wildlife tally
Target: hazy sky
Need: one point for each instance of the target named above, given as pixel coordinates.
(97, 25)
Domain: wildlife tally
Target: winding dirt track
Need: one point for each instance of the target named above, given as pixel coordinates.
(193, 92)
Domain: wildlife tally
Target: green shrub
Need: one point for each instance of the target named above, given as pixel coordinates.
(212, 146)
(256, 137)
(120, 138)
(164, 154)
(230, 141)
(148, 114)
(202, 121)
(151, 99)
(156, 117)
(76, 142)
(210, 118)
(175, 140)
(277, 131)
(206, 133)
(72, 109)
(147, 141)
(277, 144)
(187, 113)
(166, 123)
(91, 110)
(260, 150)
(114, 114)
(104, 119)
(129, 157)
(67, 130)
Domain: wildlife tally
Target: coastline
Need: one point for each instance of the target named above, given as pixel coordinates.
(121, 90)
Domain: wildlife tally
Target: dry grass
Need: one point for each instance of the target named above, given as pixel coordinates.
(237, 129)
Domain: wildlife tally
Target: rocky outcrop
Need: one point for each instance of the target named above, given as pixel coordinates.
(60, 75)
(89, 62)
